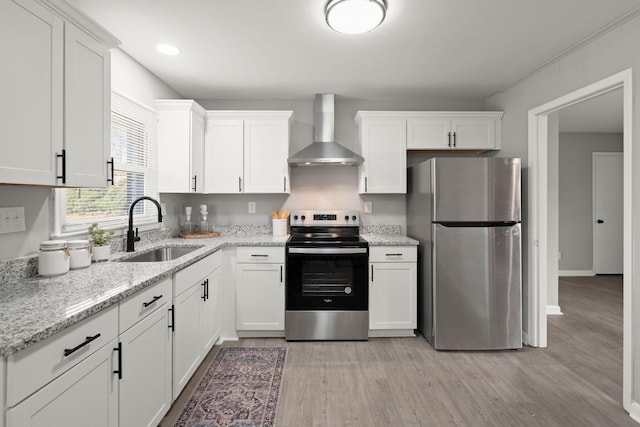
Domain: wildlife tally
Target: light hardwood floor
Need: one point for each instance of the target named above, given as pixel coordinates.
(576, 381)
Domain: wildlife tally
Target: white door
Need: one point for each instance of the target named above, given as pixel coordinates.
(607, 213)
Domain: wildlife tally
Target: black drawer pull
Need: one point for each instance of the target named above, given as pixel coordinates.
(173, 318)
(393, 254)
(147, 304)
(119, 370)
(68, 351)
(63, 156)
(259, 256)
(110, 180)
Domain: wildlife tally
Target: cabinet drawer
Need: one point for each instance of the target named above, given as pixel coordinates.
(145, 302)
(195, 273)
(35, 366)
(393, 254)
(260, 254)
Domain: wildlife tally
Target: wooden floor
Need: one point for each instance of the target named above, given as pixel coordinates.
(576, 381)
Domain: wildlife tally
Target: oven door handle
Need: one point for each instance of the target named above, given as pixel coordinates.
(327, 251)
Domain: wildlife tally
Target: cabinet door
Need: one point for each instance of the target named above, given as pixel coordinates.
(266, 148)
(186, 337)
(211, 319)
(87, 130)
(197, 153)
(473, 133)
(392, 295)
(31, 111)
(86, 395)
(429, 134)
(260, 297)
(145, 387)
(224, 156)
(384, 148)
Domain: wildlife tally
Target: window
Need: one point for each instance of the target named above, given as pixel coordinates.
(133, 148)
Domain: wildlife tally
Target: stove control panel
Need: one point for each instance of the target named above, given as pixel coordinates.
(333, 218)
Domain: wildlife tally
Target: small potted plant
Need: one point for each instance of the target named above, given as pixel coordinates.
(100, 239)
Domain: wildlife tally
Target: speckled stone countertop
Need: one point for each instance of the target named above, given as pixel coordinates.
(32, 309)
(383, 239)
(35, 308)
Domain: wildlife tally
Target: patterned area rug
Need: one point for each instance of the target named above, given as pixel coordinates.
(240, 388)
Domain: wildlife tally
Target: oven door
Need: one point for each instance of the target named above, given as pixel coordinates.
(327, 278)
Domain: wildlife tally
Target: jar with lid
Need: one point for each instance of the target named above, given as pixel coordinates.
(53, 258)
(80, 254)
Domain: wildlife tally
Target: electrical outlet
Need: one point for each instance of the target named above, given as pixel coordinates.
(252, 207)
(367, 207)
(11, 220)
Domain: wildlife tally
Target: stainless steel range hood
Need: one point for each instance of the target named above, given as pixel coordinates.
(324, 151)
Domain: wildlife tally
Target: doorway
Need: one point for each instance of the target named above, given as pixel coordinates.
(538, 241)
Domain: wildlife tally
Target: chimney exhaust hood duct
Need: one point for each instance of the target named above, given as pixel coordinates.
(324, 151)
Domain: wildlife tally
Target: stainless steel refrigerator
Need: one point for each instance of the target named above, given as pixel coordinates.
(466, 214)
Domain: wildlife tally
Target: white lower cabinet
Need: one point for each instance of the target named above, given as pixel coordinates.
(145, 371)
(260, 289)
(393, 288)
(196, 316)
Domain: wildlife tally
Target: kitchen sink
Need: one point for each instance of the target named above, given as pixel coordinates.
(165, 253)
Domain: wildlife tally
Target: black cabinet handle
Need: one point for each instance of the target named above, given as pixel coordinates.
(259, 255)
(204, 290)
(281, 278)
(393, 254)
(365, 184)
(87, 340)
(195, 183)
(239, 184)
(285, 184)
(454, 140)
(111, 180)
(63, 156)
(119, 370)
(173, 318)
(147, 304)
(600, 221)
(372, 272)
(449, 138)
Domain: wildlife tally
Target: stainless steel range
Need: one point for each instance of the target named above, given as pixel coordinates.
(327, 293)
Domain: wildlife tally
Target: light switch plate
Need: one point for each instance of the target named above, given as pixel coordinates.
(252, 207)
(367, 207)
(11, 220)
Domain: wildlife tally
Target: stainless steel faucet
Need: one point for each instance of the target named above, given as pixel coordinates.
(131, 237)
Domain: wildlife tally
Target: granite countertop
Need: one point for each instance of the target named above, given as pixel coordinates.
(32, 309)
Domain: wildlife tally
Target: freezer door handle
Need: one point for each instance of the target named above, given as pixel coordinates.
(600, 221)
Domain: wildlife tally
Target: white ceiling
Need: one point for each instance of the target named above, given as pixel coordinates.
(282, 49)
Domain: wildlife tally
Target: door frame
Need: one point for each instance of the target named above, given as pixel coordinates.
(538, 237)
(594, 156)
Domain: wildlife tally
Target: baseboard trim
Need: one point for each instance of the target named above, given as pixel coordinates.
(635, 412)
(388, 333)
(554, 310)
(576, 273)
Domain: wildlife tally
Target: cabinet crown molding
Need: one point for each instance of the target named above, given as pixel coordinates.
(360, 115)
(179, 104)
(250, 114)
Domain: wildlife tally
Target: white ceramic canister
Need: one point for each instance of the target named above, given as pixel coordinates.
(53, 258)
(80, 252)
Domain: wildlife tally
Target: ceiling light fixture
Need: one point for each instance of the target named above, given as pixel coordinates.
(355, 16)
(167, 49)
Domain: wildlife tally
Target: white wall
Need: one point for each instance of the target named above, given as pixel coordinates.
(604, 56)
(132, 80)
(576, 200)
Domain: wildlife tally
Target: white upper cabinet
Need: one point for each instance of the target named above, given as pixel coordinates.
(55, 113)
(453, 130)
(180, 146)
(247, 151)
(383, 140)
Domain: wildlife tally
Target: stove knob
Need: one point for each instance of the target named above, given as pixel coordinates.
(303, 217)
(353, 218)
(295, 217)
(346, 217)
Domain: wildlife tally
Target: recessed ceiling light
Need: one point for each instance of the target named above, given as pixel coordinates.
(355, 16)
(167, 49)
